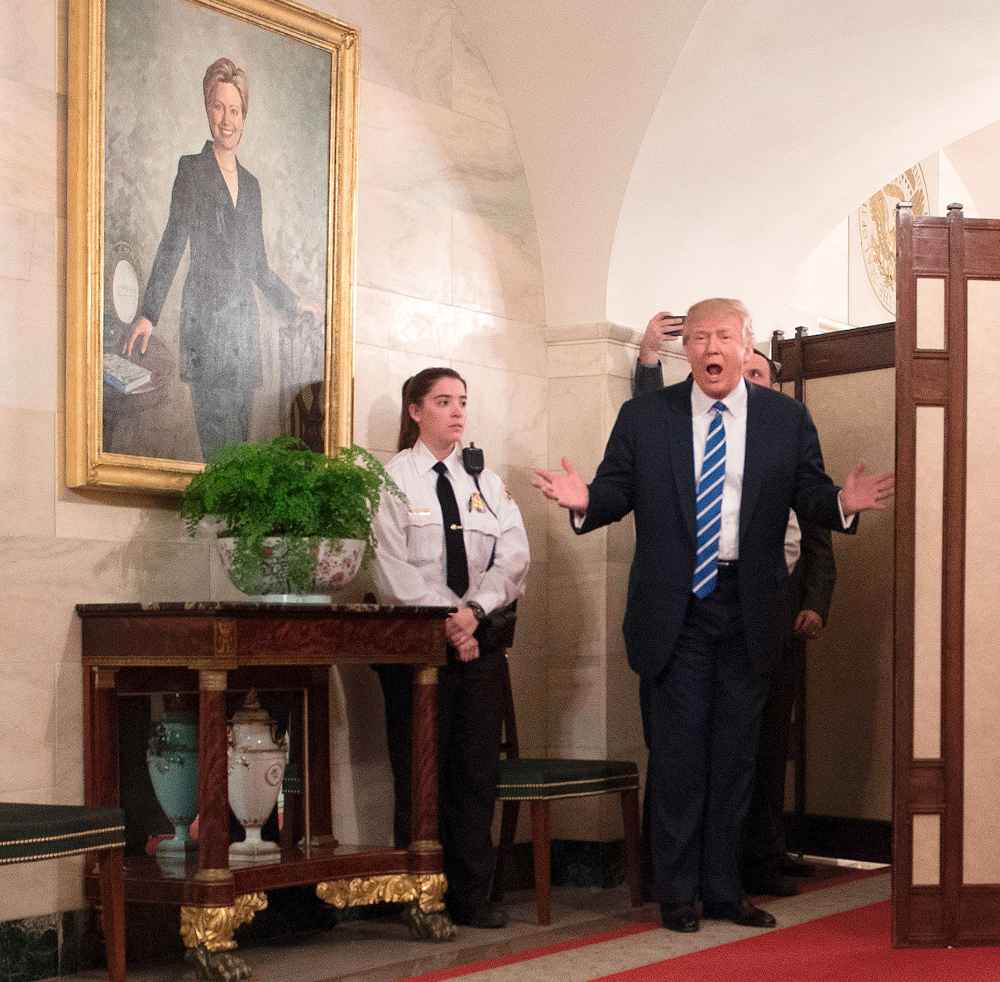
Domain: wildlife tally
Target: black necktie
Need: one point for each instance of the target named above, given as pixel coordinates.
(454, 543)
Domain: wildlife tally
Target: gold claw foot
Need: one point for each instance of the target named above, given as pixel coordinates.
(207, 933)
(222, 965)
(428, 925)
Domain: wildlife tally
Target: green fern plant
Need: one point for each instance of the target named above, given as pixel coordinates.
(281, 488)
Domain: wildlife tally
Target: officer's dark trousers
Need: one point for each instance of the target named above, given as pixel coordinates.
(469, 719)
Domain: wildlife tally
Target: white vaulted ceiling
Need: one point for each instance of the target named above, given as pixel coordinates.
(682, 148)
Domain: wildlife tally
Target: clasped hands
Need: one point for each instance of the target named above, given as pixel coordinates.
(460, 629)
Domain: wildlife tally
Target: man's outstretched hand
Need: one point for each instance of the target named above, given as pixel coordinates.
(565, 488)
(864, 492)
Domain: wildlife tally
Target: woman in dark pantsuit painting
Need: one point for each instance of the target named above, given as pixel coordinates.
(215, 207)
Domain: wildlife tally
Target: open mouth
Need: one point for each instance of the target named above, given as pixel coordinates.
(713, 369)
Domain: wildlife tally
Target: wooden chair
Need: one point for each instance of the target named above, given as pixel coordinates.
(29, 833)
(542, 780)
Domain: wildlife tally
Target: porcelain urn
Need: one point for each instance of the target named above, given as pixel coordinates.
(172, 759)
(256, 767)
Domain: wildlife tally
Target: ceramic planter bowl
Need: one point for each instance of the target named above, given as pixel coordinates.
(336, 562)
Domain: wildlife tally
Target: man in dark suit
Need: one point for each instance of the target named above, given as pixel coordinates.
(707, 594)
(812, 571)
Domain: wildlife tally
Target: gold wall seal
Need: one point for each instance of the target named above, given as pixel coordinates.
(877, 228)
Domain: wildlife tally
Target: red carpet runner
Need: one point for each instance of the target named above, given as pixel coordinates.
(827, 876)
(850, 947)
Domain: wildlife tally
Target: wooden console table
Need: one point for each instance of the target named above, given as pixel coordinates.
(215, 649)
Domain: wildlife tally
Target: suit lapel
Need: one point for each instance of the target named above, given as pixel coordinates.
(682, 451)
(752, 464)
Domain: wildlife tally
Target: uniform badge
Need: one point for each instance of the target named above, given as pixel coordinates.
(476, 502)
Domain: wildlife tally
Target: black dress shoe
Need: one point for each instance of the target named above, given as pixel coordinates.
(791, 866)
(744, 913)
(679, 917)
(771, 885)
(487, 916)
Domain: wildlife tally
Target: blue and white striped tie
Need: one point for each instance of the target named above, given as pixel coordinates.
(708, 506)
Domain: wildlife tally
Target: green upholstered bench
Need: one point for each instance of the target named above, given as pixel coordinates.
(29, 833)
(541, 780)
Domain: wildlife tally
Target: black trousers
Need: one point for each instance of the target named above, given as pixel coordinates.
(764, 834)
(469, 720)
(701, 716)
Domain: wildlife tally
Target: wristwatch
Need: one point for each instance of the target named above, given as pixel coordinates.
(476, 609)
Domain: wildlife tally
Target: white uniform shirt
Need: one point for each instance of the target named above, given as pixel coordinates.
(410, 564)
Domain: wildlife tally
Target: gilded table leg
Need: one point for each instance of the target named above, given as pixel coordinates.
(207, 933)
(422, 892)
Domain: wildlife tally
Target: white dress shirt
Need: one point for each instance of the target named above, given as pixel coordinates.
(410, 557)
(793, 542)
(734, 419)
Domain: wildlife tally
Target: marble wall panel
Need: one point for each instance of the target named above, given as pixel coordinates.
(33, 123)
(16, 244)
(68, 782)
(42, 578)
(532, 609)
(495, 271)
(406, 44)
(29, 738)
(119, 517)
(473, 91)
(526, 438)
(33, 43)
(33, 889)
(444, 157)
(48, 250)
(528, 683)
(401, 323)
(27, 472)
(583, 358)
(30, 315)
(534, 511)
(481, 338)
(404, 244)
(572, 432)
(379, 377)
(576, 710)
(577, 613)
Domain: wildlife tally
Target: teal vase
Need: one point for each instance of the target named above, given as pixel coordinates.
(172, 758)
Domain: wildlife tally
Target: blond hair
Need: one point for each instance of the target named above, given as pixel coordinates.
(716, 307)
(226, 70)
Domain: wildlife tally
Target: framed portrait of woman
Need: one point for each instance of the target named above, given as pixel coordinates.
(210, 234)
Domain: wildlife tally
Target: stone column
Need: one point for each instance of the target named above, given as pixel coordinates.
(592, 695)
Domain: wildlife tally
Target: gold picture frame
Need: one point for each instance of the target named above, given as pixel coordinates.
(266, 326)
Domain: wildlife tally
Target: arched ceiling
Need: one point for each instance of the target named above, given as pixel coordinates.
(580, 80)
(681, 148)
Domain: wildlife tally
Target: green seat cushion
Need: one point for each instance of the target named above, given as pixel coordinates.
(29, 832)
(527, 778)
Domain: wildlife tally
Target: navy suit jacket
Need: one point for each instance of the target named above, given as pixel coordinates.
(648, 469)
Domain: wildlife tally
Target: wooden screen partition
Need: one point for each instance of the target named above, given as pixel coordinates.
(946, 814)
(841, 794)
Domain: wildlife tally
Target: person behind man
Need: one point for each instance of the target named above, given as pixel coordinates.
(709, 468)
(765, 865)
